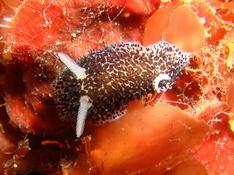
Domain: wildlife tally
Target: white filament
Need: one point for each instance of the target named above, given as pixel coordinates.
(71, 64)
(8, 19)
(85, 104)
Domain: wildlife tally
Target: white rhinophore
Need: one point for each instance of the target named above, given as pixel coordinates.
(85, 104)
(71, 64)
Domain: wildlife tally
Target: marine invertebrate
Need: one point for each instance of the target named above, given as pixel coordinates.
(100, 85)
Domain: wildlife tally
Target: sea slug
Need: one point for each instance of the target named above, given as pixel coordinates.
(99, 86)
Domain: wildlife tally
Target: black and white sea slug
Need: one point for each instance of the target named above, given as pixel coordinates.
(99, 86)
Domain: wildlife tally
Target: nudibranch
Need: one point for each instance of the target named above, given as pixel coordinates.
(99, 86)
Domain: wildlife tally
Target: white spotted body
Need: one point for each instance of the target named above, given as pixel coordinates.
(112, 77)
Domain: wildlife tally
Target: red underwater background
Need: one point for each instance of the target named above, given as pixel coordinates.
(187, 130)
